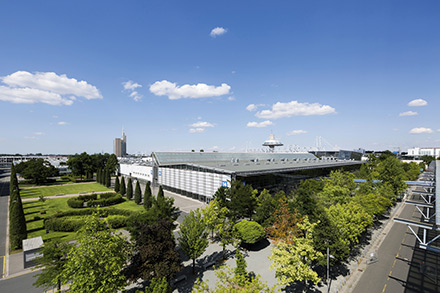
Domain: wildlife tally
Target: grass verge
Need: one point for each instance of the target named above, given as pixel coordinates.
(62, 189)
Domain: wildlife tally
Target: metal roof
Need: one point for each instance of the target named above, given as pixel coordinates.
(249, 164)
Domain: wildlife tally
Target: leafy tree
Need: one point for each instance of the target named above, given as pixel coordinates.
(306, 200)
(229, 282)
(80, 164)
(148, 197)
(193, 236)
(96, 263)
(285, 227)
(293, 262)
(391, 172)
(52, 262)
(266, 204)
(374, 204)
(213, 215)
(158, 286)
(160, 193)
(225, 233)
(427, 159)
(249, 232)
(122, 189)
(156, 255)
(117, 184)
(242, 202)
(17, 222)
(129, 189)
(36, 170)
(111, 164)
(240, 269)
(351, 220)
(137, 193)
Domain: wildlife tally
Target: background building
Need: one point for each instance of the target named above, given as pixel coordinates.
(428, 151)
(120, 146)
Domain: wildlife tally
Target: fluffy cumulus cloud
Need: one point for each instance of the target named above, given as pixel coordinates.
(200, 126)
(251, 107)
(23, 87)
(294, 108)
(296, 132)
(420, 130)
(196, 91)
(62, 123)
(218, 31)
(408, 113)
(131, 87)
(260, 124)
(417, 103)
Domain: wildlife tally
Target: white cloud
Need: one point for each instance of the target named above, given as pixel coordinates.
(218, 31)
(200, 90)
(63, 123)
(251, 107)
(294, 108)
(231, 98)
(260, 124)
(45, 87)
(296, 132)
(39, 133)
(408, 113)
(417, 103)
(202, 124)
(132, 86)
(421, 130)
(196, 130)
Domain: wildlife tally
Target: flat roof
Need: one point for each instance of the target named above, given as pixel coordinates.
(32, 243)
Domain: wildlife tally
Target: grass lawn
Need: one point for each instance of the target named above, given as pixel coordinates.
(62, 189)
(35, 220)
(57, 182)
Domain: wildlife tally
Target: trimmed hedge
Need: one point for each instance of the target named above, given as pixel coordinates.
(249, 232)
(105, 199)
(63, 224)
(117, 221)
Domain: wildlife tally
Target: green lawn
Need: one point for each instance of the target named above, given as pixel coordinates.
(62, 189)
(34, 218)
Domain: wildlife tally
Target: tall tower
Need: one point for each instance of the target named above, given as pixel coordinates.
(120, 145)
(124, 143)
(272, 143)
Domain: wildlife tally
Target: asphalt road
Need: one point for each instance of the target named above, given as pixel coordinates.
(21, 283)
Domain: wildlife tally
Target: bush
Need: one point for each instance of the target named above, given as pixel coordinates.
(249, 232)
(63, 224)
(105, 199)
(117, 221)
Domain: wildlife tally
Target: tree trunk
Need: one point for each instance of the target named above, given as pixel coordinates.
(194, 266)
(59, 285)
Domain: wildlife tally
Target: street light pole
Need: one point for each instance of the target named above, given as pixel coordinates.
(328, 265)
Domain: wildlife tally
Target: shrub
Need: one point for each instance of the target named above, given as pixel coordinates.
(117, 221)
(65, 224)
(105, 199)
(249, 232)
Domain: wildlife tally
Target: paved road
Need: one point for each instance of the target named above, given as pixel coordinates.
(21, 283)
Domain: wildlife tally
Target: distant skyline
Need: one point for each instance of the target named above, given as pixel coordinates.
(219, 76)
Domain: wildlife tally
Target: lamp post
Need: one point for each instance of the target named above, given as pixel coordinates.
(328, 267)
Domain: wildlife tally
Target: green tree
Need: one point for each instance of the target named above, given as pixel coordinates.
(293, 262)
(164, 208)
(158, 286)
(13, 183)
(52, 261)
(137, 193)
(122, 189)
(111, 164)
(243, 201)
(285, 226)
(193, 236)
(229, 282)
(36, 170)
(81, 164)
(129, 189)
(117, 184)
(391, 172)
(17, 222)
(156, 255)
(107, 178)
(160, 193)
(96, 263)
(249, 232)
(266, 204)
(148, 197)
(240, 269)
(213, 215)
(427, 159)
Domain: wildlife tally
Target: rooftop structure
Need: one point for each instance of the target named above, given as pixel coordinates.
(272, 143)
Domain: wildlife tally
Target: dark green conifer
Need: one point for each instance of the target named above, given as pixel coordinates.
(117, 184)
(122, 188)
(148, 197)
(129, 189)
(137, 193)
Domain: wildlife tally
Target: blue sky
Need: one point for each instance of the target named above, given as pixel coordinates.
(204, 74)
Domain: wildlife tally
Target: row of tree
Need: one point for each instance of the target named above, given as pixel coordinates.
(17, 220)
(86, 165)
(37, 171)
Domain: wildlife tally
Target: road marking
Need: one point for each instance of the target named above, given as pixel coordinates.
(394, 263)
(384, 287)
(4, 266)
